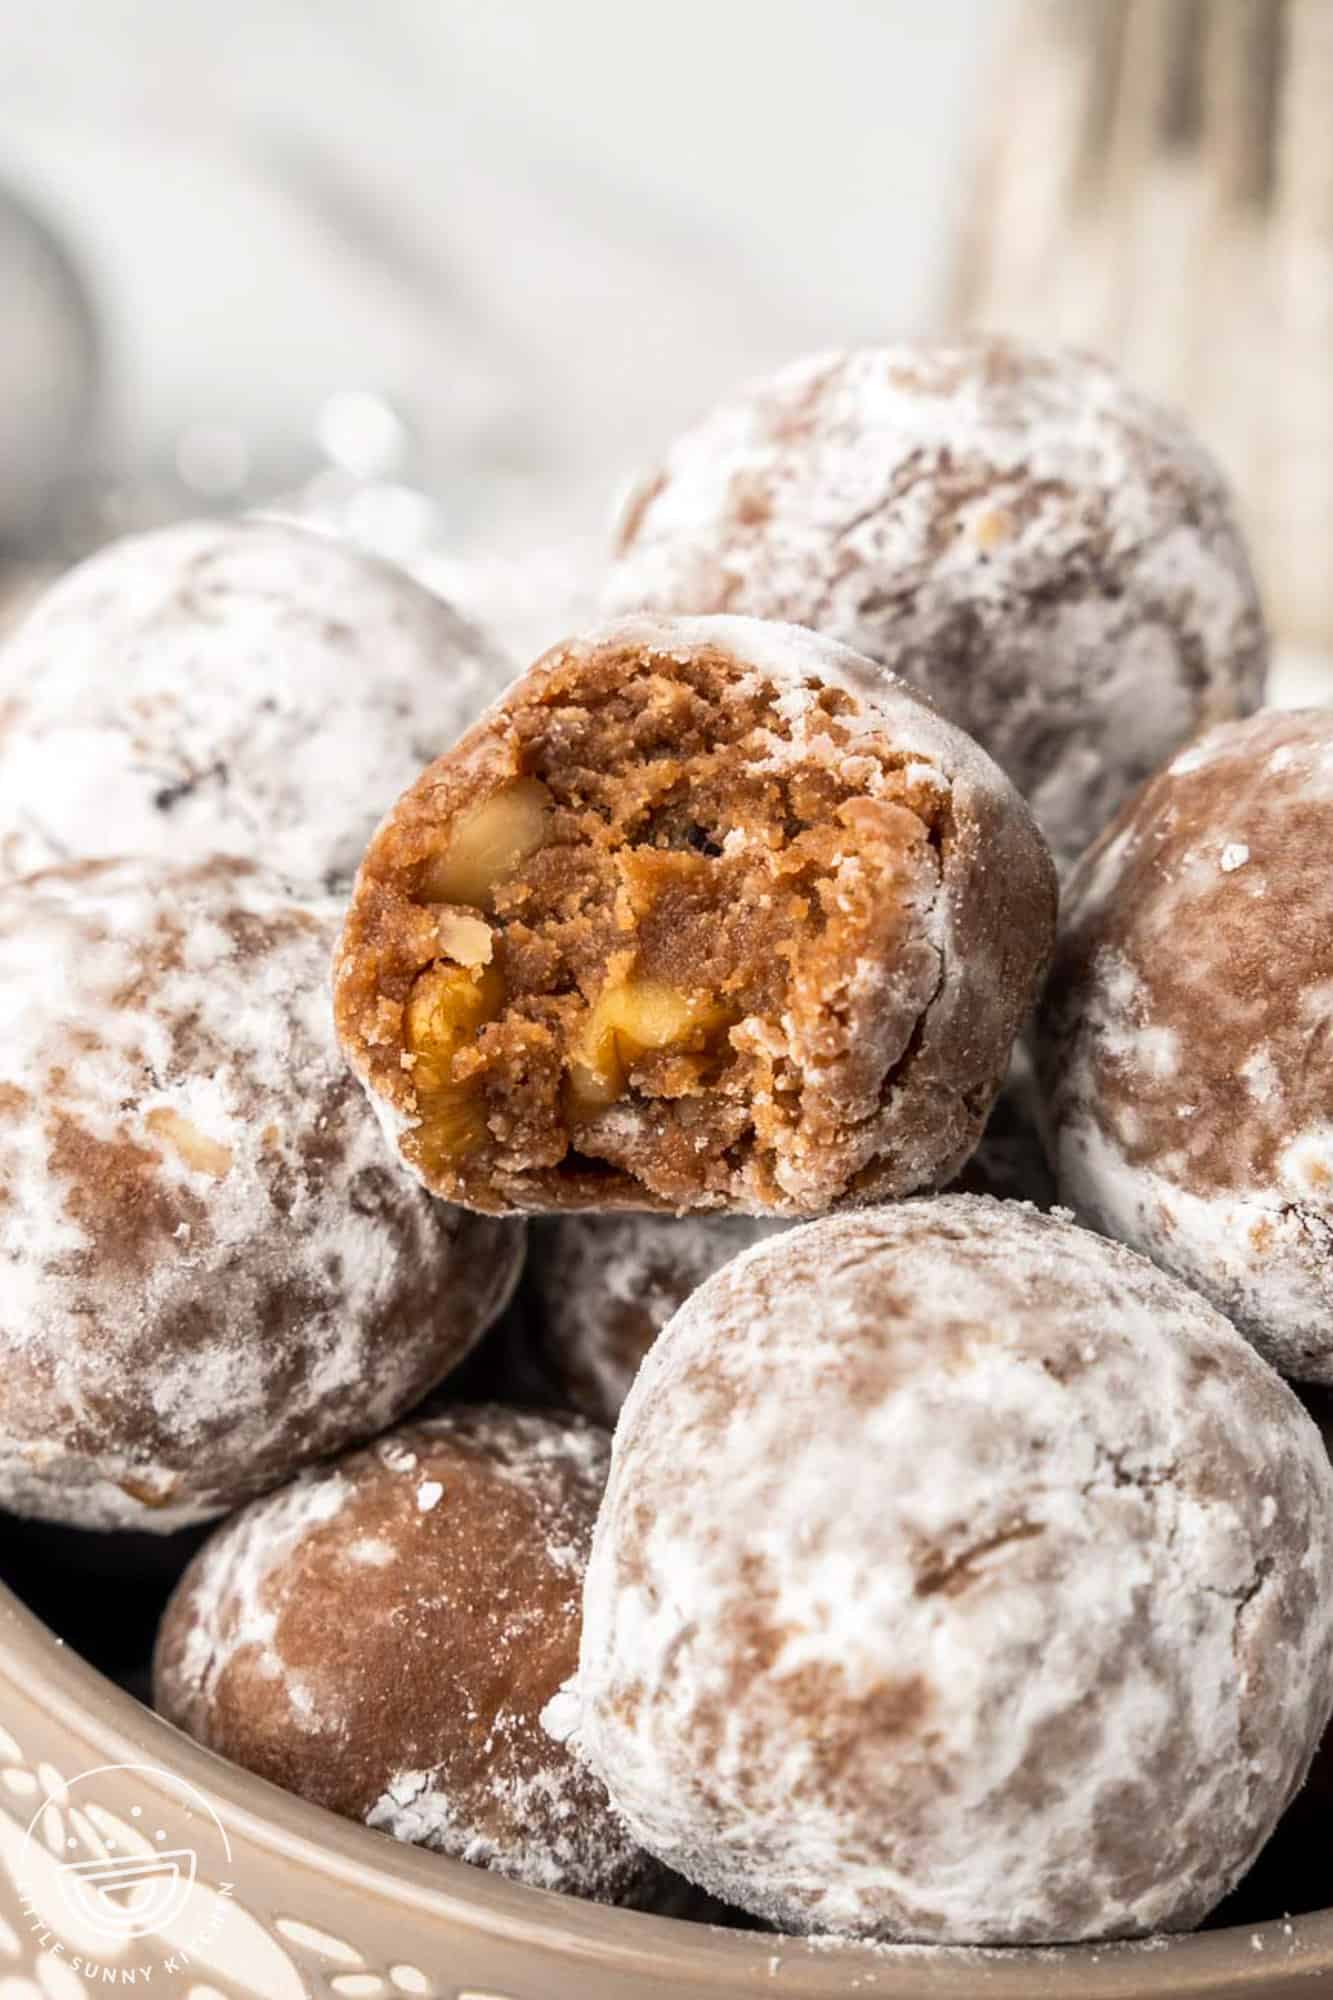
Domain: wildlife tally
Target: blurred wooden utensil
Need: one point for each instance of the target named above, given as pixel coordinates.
(1156, 183)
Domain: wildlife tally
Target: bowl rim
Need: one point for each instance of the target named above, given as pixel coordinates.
(98, 1713)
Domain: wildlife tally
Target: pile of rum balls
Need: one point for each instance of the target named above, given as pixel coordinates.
(729, 1351)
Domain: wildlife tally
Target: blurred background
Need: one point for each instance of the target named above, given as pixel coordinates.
(441, 273)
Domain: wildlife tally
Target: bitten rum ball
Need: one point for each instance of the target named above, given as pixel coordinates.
(1011, 528)
(211, 1274)
(1185, 1041)
(704, 914)
(960, 1578)
(383, 1635)
(235, 687)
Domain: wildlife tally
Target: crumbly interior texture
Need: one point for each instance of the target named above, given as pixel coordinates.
(382, 1636)
(668, 932)
(1184, 1041)
(961, 1578)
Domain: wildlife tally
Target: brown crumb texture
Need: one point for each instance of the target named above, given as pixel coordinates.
(703, 915)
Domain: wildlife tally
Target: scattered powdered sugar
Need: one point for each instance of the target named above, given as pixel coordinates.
(1012, 529)
(241, 687)
(545, 1839)
(396, 1455)
(560, 1717)
(1260, 1075)
(372, 1551)
(408, 1693)
(960, 1578)
(196, 1188)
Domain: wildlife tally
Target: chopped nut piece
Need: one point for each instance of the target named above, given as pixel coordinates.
(648, 1014)
(590, 1089)
(149, 1491)
(486, 845)
(448, 1005)
(466, 939)
(994, 528)
(189, 1144)
(635, 1018)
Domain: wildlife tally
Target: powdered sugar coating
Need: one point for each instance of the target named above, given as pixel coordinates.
(389, 1655)
(944, 1009)
(602, 1287)
(1048, 555)
(227, 686)
(210, 1275)
(1185, 1034)
(960, 1578)
(598, 1289)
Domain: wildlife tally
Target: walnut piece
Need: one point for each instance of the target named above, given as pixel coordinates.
(188, 1143)
(488, 844)
(464, 938)
(630, 1019)
(448, 1004)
